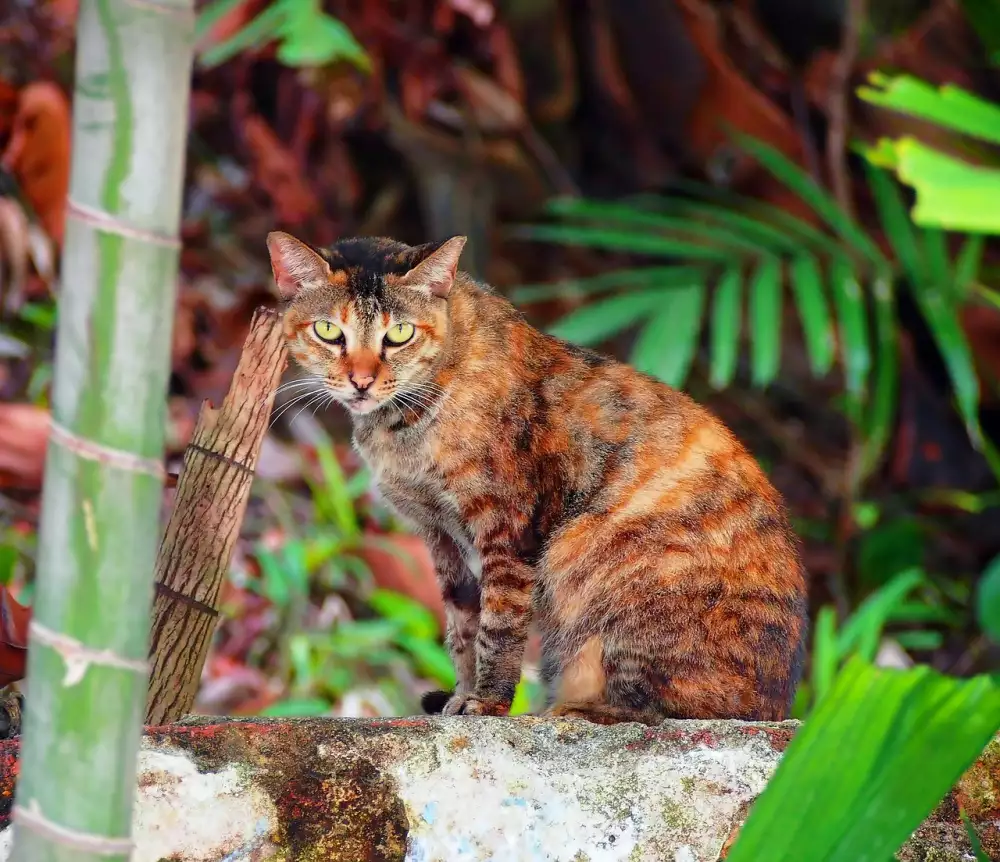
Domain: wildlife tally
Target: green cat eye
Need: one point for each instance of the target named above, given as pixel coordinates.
(399, 333)
(327, 330)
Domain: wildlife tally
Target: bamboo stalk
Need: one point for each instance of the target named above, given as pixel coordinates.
(104, 469)
(212, 496)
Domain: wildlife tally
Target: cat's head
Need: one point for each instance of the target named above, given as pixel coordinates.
(368, 316)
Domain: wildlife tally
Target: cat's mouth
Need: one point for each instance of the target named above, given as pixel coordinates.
(361, 404)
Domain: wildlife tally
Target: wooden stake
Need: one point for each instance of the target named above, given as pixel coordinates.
(212, 495)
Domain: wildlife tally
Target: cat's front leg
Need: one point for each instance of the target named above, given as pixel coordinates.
(460, 592)
(505, 612)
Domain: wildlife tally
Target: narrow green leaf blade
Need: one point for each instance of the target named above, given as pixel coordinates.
(815, 196)
(852, 318)
(941, 316)
(885, 391)
(765, 321)
(667, 345)
(621, 240)
(817, 324)
(619, 279)
(896, 221)
(968, 264)
(598, 321)
(988, 600)
(725, 345)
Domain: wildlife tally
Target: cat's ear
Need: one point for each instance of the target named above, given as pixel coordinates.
(435, 274)
(295, 264)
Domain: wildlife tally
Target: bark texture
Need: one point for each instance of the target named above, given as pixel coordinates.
(212, 496)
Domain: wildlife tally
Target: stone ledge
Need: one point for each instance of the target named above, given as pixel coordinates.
(463, 789)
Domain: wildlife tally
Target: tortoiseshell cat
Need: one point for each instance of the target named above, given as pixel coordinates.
(553, 484)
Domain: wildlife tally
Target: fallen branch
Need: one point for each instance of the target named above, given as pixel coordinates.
(212, 494)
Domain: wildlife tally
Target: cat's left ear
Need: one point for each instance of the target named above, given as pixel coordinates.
(435, 274)
(295, 264)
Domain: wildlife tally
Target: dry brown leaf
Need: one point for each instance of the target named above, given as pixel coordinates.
(729, 99)
(15, 253)
(24, 434)
(38, 152)
(278, 173)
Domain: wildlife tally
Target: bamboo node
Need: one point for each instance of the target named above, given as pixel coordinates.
(78, 656)
(31, 817)
(104, 454)
(107, 223)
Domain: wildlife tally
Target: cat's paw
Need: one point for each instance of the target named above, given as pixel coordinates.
(469, 704)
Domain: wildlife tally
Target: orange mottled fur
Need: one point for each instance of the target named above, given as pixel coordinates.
(556, 485)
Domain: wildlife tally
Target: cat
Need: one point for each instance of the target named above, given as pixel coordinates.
(554, 485)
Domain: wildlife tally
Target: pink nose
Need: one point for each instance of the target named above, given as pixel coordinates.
(361, 380)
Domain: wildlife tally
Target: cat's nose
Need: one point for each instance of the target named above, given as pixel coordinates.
(361, 380)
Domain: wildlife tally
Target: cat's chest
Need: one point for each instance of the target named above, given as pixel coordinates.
(407, 475)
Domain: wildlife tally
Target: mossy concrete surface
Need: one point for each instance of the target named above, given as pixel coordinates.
(464, 789)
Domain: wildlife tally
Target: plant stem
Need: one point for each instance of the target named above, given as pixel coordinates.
(104, 468)
(208, 511)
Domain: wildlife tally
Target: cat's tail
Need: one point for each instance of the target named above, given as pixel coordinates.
(433, 702)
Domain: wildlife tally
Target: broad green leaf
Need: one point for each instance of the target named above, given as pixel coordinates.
(849, 772)
(667, 344)
(765, 321)
(625, 241)
(988, 600)
(951, 194)
(950, 106)
(884, 396)
(817, 325)
(647, 276)
(598, 321)
(725, 346)
(850, 305)
(319, 39)
(815, 196)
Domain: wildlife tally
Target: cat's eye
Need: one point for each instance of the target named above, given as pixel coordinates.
(399, 333)
(327, 330)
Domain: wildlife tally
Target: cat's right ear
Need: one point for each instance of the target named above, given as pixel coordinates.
(295, 264)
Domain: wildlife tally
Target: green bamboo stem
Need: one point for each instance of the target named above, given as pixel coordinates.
(103, 477)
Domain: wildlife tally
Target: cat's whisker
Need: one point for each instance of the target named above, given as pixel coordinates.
(292, 384)
(284, 407)
(407, 404)
(317, 399)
